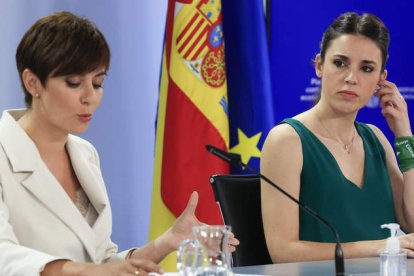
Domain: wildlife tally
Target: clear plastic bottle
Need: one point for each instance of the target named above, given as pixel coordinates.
(393, 261)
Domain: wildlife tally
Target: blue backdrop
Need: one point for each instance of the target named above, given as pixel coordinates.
(248, 79)
(296, 31)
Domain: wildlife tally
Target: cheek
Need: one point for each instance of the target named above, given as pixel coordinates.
(99, 98)
(371, 86)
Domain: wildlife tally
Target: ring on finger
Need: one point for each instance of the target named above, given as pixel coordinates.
(137, 271)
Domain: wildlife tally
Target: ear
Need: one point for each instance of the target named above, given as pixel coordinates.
(31, 82)
(318, 65)
(383, 75)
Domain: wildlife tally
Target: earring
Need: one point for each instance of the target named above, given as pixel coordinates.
(37, 95)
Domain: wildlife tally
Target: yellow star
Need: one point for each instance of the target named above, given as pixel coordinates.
(247, 146)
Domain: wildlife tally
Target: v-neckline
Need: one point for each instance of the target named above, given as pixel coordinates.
(338, 168)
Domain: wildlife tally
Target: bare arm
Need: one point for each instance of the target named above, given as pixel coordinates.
(172, 238)
(402, 188)
(395, 111)
(144, 258)
(282, 162)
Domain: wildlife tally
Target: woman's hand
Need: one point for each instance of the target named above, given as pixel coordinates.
(233, 242)
(182, 227)
(394, 108)
(407, 244)
(130, 267)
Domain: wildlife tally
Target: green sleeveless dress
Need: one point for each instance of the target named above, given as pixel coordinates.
(356, 213)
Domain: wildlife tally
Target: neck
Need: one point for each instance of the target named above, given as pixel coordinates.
(338, 128)
(339, 125)
(46, 141)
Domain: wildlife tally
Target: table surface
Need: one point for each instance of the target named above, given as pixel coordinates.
(363, 266)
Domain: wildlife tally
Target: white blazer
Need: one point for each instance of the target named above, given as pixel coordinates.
(39, 223)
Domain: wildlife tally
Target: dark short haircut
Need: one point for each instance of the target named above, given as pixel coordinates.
(367, 25)
(61, 44)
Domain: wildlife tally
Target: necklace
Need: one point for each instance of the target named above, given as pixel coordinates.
(347, 147)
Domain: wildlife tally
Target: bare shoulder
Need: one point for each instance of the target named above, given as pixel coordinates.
(375, 129)
(380, 135)
(282, 160)
(283, 140)
(282, 134)
(385, 143)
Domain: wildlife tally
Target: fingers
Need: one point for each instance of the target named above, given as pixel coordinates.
(233, 242)
(192, 203)
(394, 108)
(143, 267)
(407, 244)
(390, 97)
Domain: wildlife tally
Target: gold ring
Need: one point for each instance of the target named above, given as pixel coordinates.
(136, 271)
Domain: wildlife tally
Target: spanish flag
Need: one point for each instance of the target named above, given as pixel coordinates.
(192, 112)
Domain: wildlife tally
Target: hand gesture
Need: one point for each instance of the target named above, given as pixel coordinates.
(182, 227)
(394, 108)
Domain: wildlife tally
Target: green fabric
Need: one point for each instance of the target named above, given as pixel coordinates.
(356, 213)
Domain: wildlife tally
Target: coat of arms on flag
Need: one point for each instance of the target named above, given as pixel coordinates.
(199, 41)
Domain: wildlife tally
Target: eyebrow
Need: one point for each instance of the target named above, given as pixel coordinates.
(101, 74)
(365, 61)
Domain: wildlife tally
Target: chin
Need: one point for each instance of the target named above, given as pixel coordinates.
(78, 131)
(349, 108)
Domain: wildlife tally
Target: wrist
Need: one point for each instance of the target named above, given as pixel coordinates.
(65, 267)
(404, 147)
(166, 242)
(130, 253)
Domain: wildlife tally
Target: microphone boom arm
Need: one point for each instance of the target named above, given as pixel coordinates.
(235, 159)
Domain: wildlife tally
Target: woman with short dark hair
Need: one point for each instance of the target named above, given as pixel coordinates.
(55, 216)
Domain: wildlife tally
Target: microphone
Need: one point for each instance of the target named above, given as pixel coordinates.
(235, 159)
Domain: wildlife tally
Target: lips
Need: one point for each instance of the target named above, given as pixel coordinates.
(348, 94)
(85, 117)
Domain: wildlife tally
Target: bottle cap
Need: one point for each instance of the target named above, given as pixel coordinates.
(393, 243)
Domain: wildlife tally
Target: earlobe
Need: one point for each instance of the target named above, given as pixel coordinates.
(318, 65)
(31, 82)
(384, 75)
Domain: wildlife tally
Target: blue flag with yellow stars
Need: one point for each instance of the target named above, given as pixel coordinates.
(248, 79)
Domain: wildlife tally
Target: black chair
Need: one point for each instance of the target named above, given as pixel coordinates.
(238, 197)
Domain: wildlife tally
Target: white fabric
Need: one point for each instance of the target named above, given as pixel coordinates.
(38, 221)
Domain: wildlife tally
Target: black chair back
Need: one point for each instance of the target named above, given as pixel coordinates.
(240, 203)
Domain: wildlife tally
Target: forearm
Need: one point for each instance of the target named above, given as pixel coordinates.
(303, 251)
(408, 200)
(65, 268)
(155, 250)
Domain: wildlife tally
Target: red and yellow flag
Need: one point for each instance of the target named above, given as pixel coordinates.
(192, 112)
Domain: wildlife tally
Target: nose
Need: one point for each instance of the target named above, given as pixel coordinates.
(87, 95)
(351, 78)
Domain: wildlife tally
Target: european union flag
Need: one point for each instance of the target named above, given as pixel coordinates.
(248, 79)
